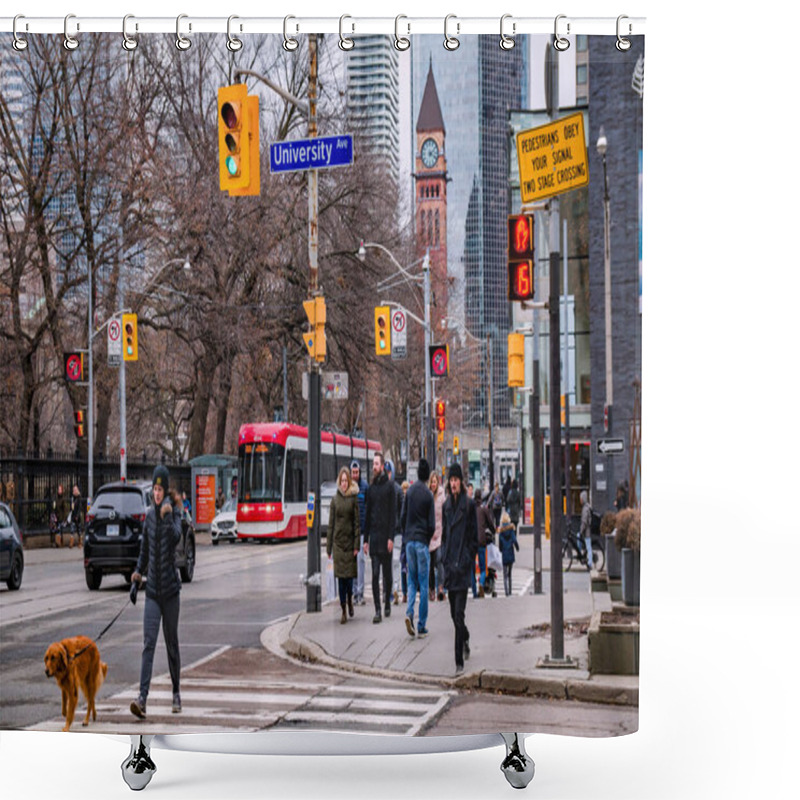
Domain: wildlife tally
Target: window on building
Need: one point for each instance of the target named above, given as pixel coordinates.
(582, 42)
(581, 73)
(436, 229)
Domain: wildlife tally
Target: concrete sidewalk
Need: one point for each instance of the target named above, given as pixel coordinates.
(509, 637)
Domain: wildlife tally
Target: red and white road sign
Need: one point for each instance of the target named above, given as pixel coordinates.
(114, 342)
(399, 329)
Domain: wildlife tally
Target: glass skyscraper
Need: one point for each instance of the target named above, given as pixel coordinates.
(477, 84)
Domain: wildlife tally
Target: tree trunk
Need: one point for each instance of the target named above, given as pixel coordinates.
(197, 427)
(226, 371)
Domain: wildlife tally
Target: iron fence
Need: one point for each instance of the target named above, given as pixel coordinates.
(29, 481)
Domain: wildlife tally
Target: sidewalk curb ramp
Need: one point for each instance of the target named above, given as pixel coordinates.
(611, 690)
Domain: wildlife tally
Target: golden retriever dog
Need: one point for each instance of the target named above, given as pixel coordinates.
(75, 663)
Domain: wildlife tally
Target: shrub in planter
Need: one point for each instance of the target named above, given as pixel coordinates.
(608, 523)
(625, 520)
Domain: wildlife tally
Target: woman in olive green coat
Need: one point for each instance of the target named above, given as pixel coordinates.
(343, 538)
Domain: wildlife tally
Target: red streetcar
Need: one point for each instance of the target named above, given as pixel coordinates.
(272, 484)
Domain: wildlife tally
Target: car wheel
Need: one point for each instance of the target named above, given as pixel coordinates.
(187, 572)
(215, 542)
(15, 576)
(93, 579)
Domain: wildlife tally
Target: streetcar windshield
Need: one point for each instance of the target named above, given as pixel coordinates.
(260, 472)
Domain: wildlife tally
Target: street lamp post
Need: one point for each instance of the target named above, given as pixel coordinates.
(602, 147)
(426, 288)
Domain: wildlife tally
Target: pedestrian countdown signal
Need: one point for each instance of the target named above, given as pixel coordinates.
(520, 257)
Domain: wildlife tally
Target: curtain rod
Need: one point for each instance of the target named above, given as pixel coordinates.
(452, 26)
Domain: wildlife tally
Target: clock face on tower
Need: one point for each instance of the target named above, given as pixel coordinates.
(429, 153)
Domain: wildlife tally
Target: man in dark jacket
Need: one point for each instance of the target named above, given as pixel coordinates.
(513, 503)
(459, 545)
(418, 521)
(486, 531)
(380, 520)
(398, 532)
(355, 475)
(161, 535)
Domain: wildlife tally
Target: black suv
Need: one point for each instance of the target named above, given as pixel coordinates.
(114, 526)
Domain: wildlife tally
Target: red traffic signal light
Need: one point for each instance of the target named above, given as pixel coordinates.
(440, 408)
(520, 257)
(79, 428)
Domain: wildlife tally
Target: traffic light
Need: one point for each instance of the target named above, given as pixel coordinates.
(383, 335)
(79, 428)
(520, 257)
(130, 336)
(239, 141)
(516, 359)
(441, 408)
(455, 445)
(439, 359)
(315, 340)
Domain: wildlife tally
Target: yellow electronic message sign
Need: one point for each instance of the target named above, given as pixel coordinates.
(552, 158)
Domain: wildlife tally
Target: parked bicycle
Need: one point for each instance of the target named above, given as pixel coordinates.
(574, 548)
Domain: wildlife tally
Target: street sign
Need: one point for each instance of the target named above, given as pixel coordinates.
(114, 342)
(335, 386)
(399, 330)
(610, 447)
(73, 367)
(319, 153)
(552, 158)
(439, 357)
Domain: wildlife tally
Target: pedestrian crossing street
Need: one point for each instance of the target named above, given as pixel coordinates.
(213, 705)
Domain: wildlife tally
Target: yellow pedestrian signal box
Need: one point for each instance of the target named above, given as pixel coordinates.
(315, 339)
(130, 338)
(516, 359)
(239, 141)
(383, 336)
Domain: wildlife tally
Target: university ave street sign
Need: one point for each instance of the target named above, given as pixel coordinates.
(552, 158)
(610, 447)
(319, 153)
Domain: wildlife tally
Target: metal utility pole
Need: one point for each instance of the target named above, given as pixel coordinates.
(491, 414)
(567, 454)
(313, 569)
(90, 401)
(123, 409)
(426, 275)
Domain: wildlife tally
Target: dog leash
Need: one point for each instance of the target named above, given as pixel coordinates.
(94, 641)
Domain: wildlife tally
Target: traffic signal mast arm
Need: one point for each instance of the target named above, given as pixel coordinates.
(407, 313)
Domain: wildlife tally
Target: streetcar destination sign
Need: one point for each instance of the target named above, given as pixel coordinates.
(609, 447)
(319, 153)
(552, 158)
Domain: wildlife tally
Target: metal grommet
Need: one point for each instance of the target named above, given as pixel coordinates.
(18, 43)
(559, 42)
(289, 44)
(451, 42)
(70, 42)
(507, 42)
(623, 44)
(400, 42)
(181, 42)
(345, 43)
(233, 44)
(128, 42)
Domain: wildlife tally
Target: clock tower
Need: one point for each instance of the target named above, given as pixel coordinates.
(430, 196)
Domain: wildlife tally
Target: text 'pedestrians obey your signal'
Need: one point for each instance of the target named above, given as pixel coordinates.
(552, 159)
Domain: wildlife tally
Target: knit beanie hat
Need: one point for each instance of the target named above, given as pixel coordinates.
(161, 477)
(455, 472)
(423, 470)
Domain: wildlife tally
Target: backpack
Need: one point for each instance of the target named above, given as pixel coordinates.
(497, 500)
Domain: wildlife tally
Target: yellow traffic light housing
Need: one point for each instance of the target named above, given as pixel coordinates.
(383, 336)
(239, 141)
(455, 446)
(130, 338)
(441, 409)
(516, 359)
(79, 424)
(315, 339)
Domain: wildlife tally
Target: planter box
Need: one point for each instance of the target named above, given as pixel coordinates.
(614, 643)
(631, 568)
(613, 558)
(615, 590)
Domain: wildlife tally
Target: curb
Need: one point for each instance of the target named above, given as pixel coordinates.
(558, 688)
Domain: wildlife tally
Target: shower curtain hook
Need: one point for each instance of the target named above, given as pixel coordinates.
(401, 42)
(560, 43)
(289, 43)
(344, 42)
(451, 42)
(233, 44)
(507, 42)
(128, 42)
(622, 44)
(70, 42)
(181, 42)
(19, 44)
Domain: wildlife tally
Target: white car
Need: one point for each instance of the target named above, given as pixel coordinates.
(223, 526)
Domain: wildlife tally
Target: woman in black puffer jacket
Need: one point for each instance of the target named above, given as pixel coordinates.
(161, 535)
